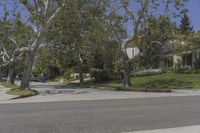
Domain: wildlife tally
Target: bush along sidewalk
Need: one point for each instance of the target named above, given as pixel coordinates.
(15, 90)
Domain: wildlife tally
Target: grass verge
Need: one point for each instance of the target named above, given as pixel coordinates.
(15, 90)
(114, 84)
(167, 81)
(157, 82)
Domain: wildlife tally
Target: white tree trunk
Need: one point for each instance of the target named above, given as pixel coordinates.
(80, 68)
(126, 72)
(11, 78)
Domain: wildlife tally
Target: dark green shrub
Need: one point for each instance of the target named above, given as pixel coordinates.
(67, 74)
(102, 75)
(93, 72)
(187, 71)
(77, 76)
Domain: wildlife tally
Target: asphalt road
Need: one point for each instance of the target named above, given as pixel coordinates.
(103, 116)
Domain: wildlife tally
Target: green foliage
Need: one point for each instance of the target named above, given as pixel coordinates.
(185, 26)
(67, 74)
(162, 81)
(118, 65)
(102, 75)
(155, 41)
(93, 72)
(47, 63)
(15, 90)
(187, 71)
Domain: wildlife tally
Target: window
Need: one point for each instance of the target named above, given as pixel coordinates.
(187, 60)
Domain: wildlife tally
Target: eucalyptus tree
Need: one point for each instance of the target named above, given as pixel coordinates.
(42, 14)
(138, 17)
(80, 29)
(13, 35)
(12, 45)
(158, 34)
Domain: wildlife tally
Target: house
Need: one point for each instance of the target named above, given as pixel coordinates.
(132, 52)
(171, 59)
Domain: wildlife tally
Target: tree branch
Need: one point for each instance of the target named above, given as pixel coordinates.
(14, 41)
(141, 14)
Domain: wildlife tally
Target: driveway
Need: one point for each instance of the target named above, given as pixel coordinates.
(50, 92)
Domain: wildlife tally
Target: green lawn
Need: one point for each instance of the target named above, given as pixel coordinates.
(163, 81)
(114, 84)
(168, 80)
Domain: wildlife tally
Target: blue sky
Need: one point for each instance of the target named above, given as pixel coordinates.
(192, 5)
(194, 13)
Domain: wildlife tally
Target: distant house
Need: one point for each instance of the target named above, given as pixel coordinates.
(171, 59)
(132, 52)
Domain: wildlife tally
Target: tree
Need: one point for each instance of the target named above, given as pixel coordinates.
(157, 35)
(80, 30)
(185, 26)
(42, 14)
(139, 17)
(13, 39)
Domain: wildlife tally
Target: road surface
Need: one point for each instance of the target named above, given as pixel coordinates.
(100, 116)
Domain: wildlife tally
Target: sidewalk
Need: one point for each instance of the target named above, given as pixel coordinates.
(188, 129)
(54, 92)
(3, 94)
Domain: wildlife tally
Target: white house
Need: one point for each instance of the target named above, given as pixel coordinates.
(132, 52)
(171, 59)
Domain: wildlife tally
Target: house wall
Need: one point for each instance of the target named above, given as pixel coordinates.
(176, 59)
(132, 52)
(180, 58)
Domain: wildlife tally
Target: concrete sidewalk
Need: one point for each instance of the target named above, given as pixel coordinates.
(51, 92)
(188, 129)
(91, 94)
(3, 94)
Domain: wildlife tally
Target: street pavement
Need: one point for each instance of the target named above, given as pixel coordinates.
(51, 92)
(103, 116)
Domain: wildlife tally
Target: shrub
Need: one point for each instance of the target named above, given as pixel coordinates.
(102, 75)
(77, 76)
(67, 74)
(187, 71)
(149, 72)
(93, 72)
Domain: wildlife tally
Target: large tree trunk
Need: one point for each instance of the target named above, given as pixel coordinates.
(126, 73)
(80, 68)
(11, 77)
(0, 76)
(28, 70)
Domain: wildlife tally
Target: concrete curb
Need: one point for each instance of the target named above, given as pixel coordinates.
(34, 93)
(152, 90)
